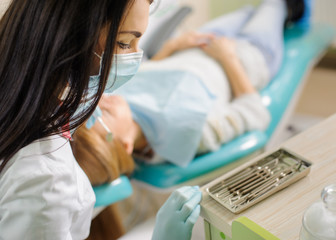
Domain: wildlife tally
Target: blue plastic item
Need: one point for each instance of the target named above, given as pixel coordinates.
(113, 192)
(302, 49)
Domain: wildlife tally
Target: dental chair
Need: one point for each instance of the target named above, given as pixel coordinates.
(303, 49)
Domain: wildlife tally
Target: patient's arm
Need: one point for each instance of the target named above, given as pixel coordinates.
(245, 112)
(187, 40)
(224, 51)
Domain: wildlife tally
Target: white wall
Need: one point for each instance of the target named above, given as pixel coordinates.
(200, 14)
(219, 7)
(324, 11)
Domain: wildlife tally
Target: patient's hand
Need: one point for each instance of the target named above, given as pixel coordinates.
(192, 39)
(222, 49)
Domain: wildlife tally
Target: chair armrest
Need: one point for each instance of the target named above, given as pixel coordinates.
(115, 191)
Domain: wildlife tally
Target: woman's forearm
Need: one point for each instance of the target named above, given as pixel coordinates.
(185, 41)
(237, 76)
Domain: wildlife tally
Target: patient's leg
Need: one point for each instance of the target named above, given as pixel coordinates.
(229, 24)
(265, 30)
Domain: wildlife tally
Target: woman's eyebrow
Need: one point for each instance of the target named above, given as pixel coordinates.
(135, 33)
(150, 1)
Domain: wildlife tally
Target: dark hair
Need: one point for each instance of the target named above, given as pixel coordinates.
(46, 49)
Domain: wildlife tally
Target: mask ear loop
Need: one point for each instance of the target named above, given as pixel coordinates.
(100, 58)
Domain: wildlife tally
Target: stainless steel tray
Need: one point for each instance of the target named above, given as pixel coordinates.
(258, 180)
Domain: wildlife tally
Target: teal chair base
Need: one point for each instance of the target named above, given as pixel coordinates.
(303, 48)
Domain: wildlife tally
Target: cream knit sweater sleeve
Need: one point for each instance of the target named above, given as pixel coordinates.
(225, 122)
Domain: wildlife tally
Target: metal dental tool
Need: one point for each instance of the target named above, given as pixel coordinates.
(109, 135)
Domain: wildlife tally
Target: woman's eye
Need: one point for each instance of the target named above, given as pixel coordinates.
(124, 45)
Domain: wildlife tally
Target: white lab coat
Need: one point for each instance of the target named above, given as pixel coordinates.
(44, 194)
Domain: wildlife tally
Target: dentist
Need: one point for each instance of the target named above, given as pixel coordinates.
(57, 59)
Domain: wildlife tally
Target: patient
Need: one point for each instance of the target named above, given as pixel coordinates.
(201, 89)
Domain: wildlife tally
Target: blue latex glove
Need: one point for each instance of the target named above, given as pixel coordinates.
(177, 216)
(91, 121)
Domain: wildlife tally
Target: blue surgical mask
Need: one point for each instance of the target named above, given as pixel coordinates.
(124, 67)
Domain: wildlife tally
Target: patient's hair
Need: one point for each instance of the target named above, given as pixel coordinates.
(102, 161)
